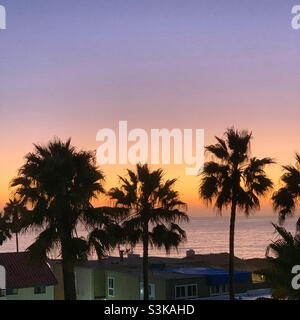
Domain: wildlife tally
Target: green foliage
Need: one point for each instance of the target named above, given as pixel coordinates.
(282, 255)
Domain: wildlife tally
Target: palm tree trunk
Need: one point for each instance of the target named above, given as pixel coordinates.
(68, 270)
(17, 242)
(231, 250)
(145, 262)
(69, 280)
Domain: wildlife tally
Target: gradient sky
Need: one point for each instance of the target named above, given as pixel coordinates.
(70, 68)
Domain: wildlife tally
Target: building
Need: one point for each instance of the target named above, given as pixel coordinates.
(116, 278)
(2, 283)
(24, 279)
(89, 281)
(173, 284)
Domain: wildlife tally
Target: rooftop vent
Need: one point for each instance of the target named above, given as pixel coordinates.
(190, 253)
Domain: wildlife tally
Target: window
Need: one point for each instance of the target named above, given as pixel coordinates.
(151, 291)
(180, 292)
(111, 287)
(186, 291)
(225, 288)
(219, 290)
(10, 292)
(192, 290)
(39, 290)
(214, 290)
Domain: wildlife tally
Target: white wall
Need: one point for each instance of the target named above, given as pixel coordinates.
(84, 283)
(28, 294)
(2, 278)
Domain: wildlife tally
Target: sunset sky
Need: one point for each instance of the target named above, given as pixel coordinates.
(71, 68)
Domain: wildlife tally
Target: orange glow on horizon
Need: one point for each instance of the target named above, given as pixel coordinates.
(186, 185)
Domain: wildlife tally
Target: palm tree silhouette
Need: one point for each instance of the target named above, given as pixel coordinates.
(282, 255)
(285, 199)
(234, 180)
(57, 183)
(5, 231)
(153, 210)
(13, 211)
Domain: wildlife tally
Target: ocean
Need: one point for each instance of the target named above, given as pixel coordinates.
(205, 235)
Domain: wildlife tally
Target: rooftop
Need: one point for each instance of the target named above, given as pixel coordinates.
(213, 275)
(210, 266)
(23, 273)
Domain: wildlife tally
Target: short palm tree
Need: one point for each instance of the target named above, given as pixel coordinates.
(5, 232)
(154, 209)
(233, 179)
(57, 184)
(282, 255)
(286, 198)
(13, 211)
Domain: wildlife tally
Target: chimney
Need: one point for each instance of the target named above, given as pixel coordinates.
(133, 259)
(190, 253)
(121, 255)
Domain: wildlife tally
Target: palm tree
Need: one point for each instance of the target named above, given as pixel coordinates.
(13, 211)
(4, 228)
(233, 179)
(57, 184)
(153, 208)
(285, 199)
(282, 255)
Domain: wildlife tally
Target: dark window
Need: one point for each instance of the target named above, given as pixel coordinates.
(10, 292)
(180, 291)
(214, 290)
(151, 291)
(224, 288)
(111, 287)
(186, 291)
(39, 290)
(192, 291)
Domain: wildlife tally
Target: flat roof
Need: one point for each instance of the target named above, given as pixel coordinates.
(168, 268)
(213, 275)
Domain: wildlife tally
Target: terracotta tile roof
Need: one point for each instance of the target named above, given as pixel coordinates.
(22, 273)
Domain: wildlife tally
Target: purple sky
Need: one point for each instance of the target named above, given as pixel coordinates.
(70, 68)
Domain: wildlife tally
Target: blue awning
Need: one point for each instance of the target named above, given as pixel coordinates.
(214, 276)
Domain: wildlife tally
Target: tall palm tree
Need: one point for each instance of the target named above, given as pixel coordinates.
(233, 179)
(285, 199)
(282, 255)
(13, 211)
(154, 209)
(57, 184)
